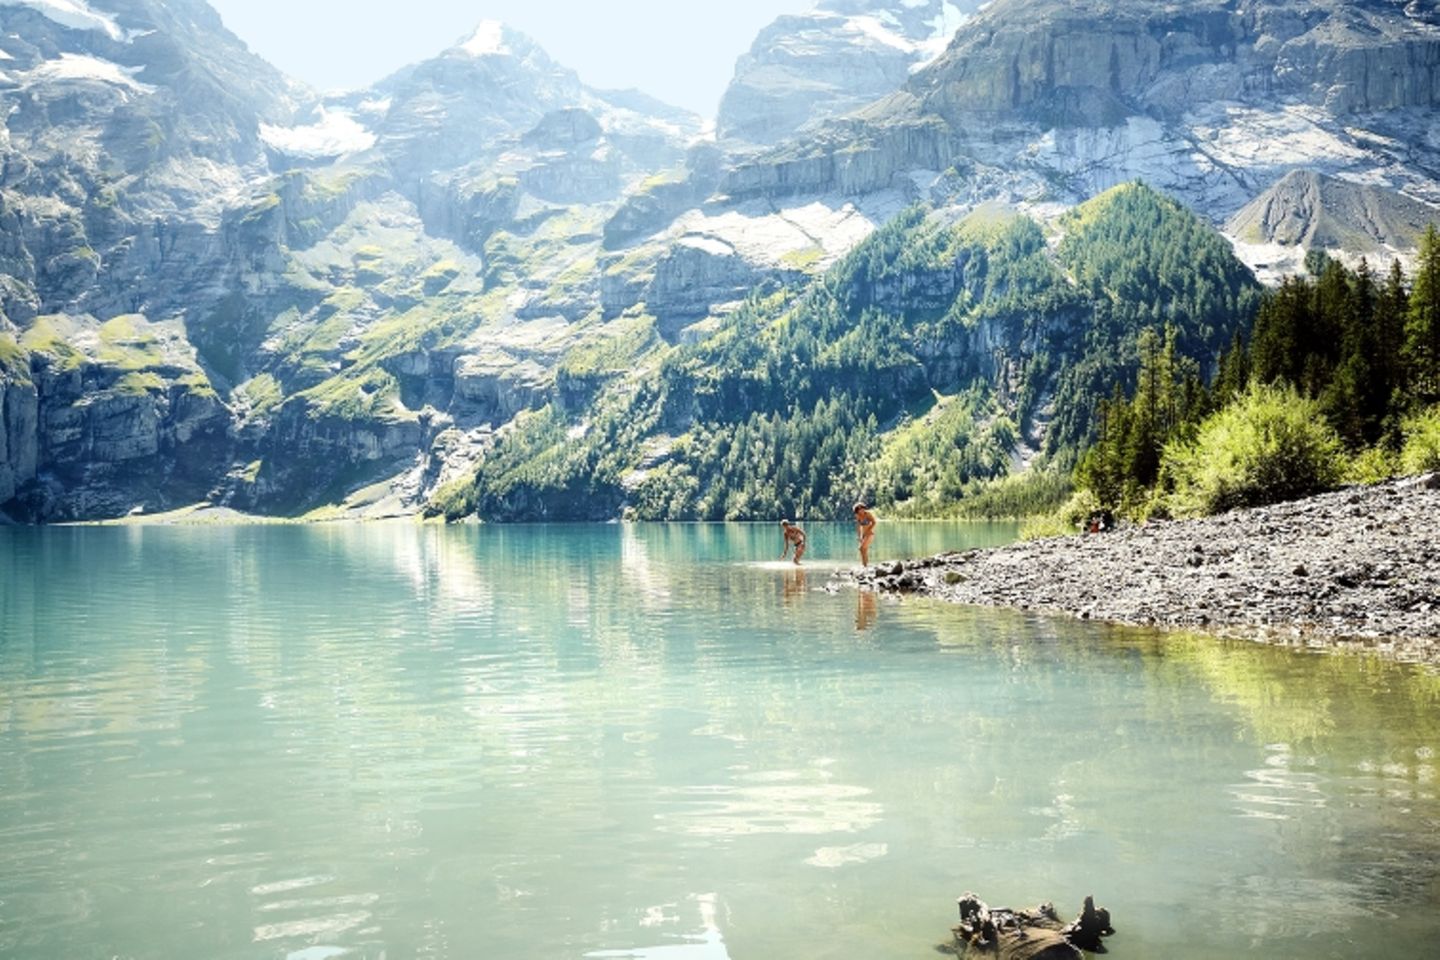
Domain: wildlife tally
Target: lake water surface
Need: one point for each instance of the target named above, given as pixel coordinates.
(653, 742)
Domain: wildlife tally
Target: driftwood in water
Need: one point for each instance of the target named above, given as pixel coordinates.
(1037, 934)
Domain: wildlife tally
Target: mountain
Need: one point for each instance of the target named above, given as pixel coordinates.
(130, 131)
(911, 254)
(217, 284)
(943, 350)
(1048, 102)
(1038, 104)
(142, 114)
(832, 59)
(1305, 210)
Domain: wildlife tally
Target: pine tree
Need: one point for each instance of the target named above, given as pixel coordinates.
(1274, 346)
(1233, 374)
(1391, 305)
(1323, 330)
(1422, 323)
(1353, 399)
(1146, 433)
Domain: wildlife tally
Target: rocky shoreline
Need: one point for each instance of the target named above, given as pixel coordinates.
(1359, 567)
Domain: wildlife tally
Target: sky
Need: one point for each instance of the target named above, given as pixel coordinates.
(681, 51)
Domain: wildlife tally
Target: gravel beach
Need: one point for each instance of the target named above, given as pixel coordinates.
(1357, 567)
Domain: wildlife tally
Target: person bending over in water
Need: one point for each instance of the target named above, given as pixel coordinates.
(793, 535)
(865, 530)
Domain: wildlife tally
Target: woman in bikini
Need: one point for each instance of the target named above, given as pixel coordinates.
(865, 530)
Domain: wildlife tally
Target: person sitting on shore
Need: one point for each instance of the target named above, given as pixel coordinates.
(793, 535)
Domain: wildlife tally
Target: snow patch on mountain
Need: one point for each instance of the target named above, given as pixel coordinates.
(334, 134)
(950, 19)
(488, 40)
(1270, 262)
(820, 232)
(75, 66)
(376, 107)
(75, 14)
(873, 29)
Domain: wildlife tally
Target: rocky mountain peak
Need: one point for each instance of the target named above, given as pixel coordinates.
(832, 59)
(488, 40)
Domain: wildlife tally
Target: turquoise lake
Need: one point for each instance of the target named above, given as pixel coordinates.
(634, 741)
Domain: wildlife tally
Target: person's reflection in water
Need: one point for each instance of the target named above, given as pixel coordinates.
(794, 584)
(866, 610)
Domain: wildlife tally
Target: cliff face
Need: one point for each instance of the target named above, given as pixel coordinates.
(308, 275)
(1047, 102)
(131, 126)
(1094, 62)
(216, 284)
(830, 60)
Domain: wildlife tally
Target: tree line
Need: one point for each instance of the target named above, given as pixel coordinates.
(1339, 378)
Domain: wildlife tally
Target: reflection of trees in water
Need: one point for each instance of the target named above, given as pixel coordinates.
(1309, 700)
(1310, 771)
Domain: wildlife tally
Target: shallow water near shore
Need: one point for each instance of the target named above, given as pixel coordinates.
(657, 741)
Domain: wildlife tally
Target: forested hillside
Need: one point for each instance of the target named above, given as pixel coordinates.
(937, 354)
(1338, 380)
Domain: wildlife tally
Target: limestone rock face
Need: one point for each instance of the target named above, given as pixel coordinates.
(19, 437)
(696, 274)
(659, 201)
(89, 409)
(501, 385)
(1044, 102)
(564, 130)
(1095, 62)
(832, 59)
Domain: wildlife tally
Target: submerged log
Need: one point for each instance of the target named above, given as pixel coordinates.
(1035, 934)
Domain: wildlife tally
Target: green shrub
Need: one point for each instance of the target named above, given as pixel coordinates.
(1270, 444)
(1045, 525)
(1421, 453)
(1015, 495)
(1070, 517)
(1371, 466)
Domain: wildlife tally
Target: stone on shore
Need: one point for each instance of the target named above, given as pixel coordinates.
(1356, 567)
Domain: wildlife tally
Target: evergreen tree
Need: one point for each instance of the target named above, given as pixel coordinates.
(1360, 353)
(1146, 427)
(1274, 353)
(1354, 400)
(1422, 323)
(1233, 373)
(1391, 305)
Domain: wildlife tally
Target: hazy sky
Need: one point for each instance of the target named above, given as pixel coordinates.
(681, 51)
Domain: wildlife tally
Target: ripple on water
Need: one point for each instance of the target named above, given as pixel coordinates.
(834, 857)
(782, 802)
(708, 944)
(1275, 789)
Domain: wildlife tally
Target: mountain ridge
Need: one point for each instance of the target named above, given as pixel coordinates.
(281, 301)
